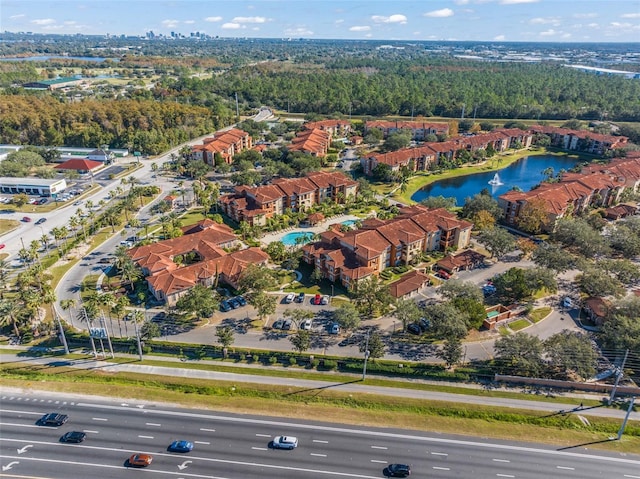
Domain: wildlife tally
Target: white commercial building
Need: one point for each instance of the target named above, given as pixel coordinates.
(32, 186)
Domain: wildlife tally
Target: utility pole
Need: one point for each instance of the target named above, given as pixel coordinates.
(624, 422)
(237, 108)
(462, 115)
(366, 357)
(104, 325)
(618, 376)
(135, 325)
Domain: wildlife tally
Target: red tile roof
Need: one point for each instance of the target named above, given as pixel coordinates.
(79, 164)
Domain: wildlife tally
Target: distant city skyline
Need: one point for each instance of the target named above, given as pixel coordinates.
(454, 20)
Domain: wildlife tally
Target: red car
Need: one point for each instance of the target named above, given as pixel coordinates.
(140, 460)
(26, 219)
(2, 245)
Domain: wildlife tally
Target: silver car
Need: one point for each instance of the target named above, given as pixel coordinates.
(285, 442)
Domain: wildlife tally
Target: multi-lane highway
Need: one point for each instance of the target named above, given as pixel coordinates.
(237, 447)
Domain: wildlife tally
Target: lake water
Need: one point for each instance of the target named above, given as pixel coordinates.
(57, 57)
(524, 173)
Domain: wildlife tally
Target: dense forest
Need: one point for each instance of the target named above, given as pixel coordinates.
(192, 89)
(142, 125)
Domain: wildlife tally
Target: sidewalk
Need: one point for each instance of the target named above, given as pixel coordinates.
(354, 386)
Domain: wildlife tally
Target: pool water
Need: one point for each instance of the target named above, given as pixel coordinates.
(297, 237)
(349, 222)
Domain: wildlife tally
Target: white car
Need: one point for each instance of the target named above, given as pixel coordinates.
(289, 298)
(306, 324)
(285, 442)
(324, 300)
(567, 303)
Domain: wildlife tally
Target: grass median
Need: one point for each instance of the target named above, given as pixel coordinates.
(564, 430)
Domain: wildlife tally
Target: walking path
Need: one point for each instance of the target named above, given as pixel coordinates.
(354, 386)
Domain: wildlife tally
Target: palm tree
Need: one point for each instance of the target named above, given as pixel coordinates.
(4, 273)
(44, 239)
(9, 311)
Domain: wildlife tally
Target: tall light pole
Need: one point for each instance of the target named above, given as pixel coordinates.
(366, 357)
(63, 338)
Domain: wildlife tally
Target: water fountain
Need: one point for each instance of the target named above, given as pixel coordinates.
(496, 181)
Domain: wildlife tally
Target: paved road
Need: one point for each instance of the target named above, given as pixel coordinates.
(237, 446)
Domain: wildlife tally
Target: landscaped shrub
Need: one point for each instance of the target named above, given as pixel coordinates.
(329, 364)
(292, 361)
(255, 358)
(314, 363)
(273, 359)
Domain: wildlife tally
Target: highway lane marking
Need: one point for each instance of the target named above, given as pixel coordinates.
(207, 430)
(259, 448)
(19, 425)
(263, 435)
(379, 447)
(154, 424)
(99, 418)
(378, 461)
(363, 432)
(439, 453)
(202, 442)
(441, 468)
(90, 431)
(632, 477)
(145, 437)
(21, 412)
(567, 468)
(500, 460)
(504, 475)
(320, 442)
(318, 455)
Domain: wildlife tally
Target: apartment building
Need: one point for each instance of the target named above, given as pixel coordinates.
(226, 143)
(336, 128)
(315, 142)
(580, 140)
(597, 185)
(419, 129)
(349, 256)
(425, 156)
(172, 267)
(257, 204)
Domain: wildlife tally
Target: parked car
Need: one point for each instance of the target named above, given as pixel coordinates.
(334, 329)
(289, 298)
(443, 274)
(285, 442)
(300, 298)
(42, 201)
(424, 324)
(316, 299)
(140, 460)
(241, 300)
(413, 328)
(73, 436)
(397, 470)
(567, 302)
(324, 300)
(2, 245)
(234, 303)
(53, 419)
(180, 446)
(41, 220)
(287, 325)
(225, 306)
(306, 324)
(277, 324)
(105, 260)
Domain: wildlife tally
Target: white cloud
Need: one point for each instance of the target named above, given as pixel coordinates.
(499, 38)
(298, 32)
(339, 21)
(43, 21)
(396, 18)
(593, 25)
(213, 19)
(584, 15)
(231, 26)
(15, 17)
(249, 20)
(620, 25)
(189, 22)
(514, 2)
(445, 12)
(170, 23)
(630, 15)
(461, 2)
(548, 33)
(70, 22)
(545, 21)
(368, 35)
(363, 28)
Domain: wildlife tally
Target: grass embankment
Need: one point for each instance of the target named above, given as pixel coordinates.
(8, 225)
(331, 405)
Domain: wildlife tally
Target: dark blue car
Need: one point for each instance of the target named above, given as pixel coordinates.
(225, 306)
(181, 446)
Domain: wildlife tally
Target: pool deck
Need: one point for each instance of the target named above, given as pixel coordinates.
(324, 226)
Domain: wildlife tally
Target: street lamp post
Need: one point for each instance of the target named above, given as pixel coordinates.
(366, 357)
(332, 292)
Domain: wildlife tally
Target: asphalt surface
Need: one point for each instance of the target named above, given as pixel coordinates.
(237, 447)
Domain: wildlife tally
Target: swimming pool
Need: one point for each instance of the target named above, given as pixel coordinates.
(297, 237)
(349, 222)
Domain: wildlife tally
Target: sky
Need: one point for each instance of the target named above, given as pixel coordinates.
(455, 20)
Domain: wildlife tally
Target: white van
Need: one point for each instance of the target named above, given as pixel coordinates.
(567, 303)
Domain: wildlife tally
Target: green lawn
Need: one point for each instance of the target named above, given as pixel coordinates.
(519, 324)
(503, 331)
(540, 313)
(8, 225)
